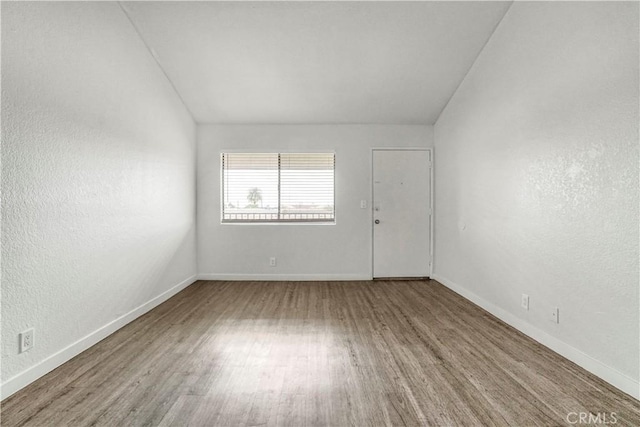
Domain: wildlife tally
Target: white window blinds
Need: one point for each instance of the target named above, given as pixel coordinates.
(286, 187)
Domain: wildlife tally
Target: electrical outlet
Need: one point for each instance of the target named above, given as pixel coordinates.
(26, 340)
(363, 204)
(525, 301)
(272, 261)
(555, 315)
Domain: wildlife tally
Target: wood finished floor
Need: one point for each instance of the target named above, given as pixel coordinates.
(316, 353)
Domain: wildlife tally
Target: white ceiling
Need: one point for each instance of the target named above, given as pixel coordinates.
(316, 62)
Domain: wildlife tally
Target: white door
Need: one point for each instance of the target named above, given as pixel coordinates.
(401, 213)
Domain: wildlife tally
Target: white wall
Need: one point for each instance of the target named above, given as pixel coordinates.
(303, 251)
(98, 180)
(536, 174)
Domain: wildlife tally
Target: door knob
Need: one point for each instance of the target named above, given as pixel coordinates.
(377, 221)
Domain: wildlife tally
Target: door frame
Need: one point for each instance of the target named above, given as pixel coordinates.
(431, 210)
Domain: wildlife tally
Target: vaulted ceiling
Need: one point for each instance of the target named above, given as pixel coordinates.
(315, 62)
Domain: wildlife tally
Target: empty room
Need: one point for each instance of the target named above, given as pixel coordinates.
(325, 213)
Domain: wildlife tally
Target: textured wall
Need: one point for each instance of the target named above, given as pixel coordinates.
(98, 176)
(303, 251)
(536, 164)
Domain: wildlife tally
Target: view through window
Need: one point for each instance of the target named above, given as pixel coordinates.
(278, 187)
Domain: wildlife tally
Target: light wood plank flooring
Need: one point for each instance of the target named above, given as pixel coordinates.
(316, 353)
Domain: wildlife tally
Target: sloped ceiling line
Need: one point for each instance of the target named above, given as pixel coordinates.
(315, 62)
(155, 58)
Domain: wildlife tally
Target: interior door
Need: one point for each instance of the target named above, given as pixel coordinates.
(401, 213)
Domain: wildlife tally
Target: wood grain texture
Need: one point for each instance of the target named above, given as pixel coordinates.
(318, 354)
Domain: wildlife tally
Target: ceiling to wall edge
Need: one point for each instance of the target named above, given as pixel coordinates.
(155, 59)
(473, 63)
(175, 89)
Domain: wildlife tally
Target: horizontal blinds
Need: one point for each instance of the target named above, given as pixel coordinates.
(250, 186)
(306, 185)
(307, 161)
(250, 161)
(277, 187)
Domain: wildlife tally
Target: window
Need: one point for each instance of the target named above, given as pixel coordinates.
(278, 187)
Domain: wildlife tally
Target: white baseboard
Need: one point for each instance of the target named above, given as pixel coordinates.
(607, 373)
(283, 277)
(45, 366)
